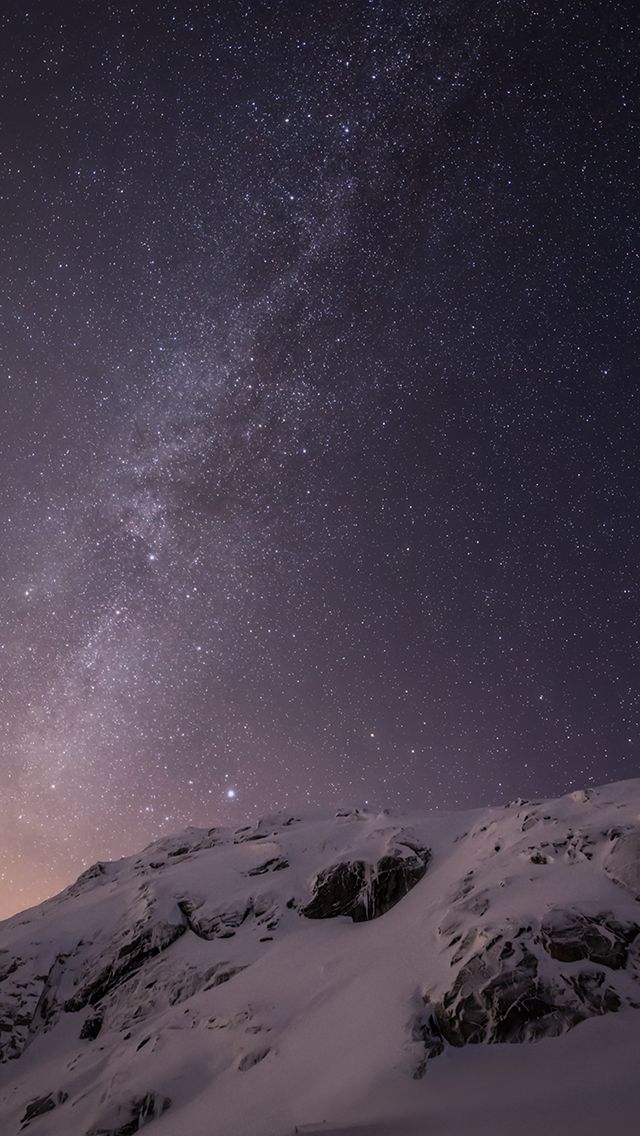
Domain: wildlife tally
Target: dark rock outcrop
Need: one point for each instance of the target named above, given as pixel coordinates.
(501, 995)
(41, 1105)
(572, 937)
(8, 965)
(144, 944)
(363, 891)
(140, 1112)
(29, 1006)
(275, 864)
(15, 1022)
(493, 1005)
(222, 923)
(47, 1007)
(91, 1027)
(96, 874)
(218, 924)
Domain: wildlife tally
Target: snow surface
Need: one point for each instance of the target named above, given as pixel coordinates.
(256, 1021)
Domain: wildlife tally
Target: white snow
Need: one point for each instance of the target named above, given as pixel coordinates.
(294, 1024)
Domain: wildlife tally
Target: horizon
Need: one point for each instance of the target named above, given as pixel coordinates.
(308, 812)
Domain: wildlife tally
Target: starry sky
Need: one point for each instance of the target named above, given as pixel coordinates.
(318, 412)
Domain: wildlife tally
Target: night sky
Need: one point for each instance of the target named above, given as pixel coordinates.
(318, 412)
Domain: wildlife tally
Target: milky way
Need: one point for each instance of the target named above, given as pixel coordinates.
(319, 413)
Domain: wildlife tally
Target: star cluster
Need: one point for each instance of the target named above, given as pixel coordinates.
(319, 411)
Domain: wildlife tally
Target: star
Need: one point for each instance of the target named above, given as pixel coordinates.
(435, 328)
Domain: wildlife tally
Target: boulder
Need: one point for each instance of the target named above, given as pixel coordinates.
(364, 891)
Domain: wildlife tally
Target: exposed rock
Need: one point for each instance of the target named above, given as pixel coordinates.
(248, 1060)
(134, 1116)
(186, 982)
(500, 996)
(147, 943)
(364, 892)
(592, 992)
(464, 946)
(91, 1027)
(47, 1006)
(578, 847)
(572, 936)
(275, 864)
(512, 1005)
(41, 1105)
(28, 1007)
(222, 923)
(425, 1029)
(263, 830)
(223, 972)
(188, 904)
(216, 924)
(96, 874)
(14, 1028)
(500, 966)
(8, 965)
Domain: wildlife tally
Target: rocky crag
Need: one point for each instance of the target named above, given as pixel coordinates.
(211, 971)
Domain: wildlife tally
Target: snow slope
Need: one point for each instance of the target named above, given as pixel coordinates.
(359, 974)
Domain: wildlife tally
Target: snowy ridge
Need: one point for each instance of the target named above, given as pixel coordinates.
(352, 973)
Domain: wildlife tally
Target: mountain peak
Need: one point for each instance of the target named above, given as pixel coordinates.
(280, 974)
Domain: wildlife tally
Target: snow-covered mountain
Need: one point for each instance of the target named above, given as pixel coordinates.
(470, 972)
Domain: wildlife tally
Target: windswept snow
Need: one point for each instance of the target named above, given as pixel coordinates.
(353, 974)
